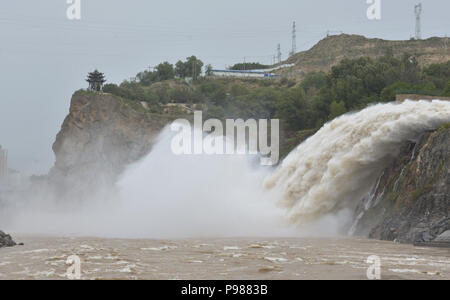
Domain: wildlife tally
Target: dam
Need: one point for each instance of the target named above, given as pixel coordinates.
(417, 97)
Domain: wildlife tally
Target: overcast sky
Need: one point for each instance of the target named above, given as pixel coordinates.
(44, 57)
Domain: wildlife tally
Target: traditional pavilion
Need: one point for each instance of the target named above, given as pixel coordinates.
(96, 80)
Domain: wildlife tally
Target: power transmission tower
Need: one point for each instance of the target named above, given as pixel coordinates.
(294, 40)
(445, 46)
(279, 53)
(418, 11)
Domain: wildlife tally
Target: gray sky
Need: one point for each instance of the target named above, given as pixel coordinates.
(44, 57)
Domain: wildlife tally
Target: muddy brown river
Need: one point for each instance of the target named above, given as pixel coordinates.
(249, 258)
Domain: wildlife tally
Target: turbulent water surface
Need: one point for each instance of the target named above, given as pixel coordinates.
(243, 258)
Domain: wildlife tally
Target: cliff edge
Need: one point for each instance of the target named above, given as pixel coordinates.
(411, 200)
(101, 135)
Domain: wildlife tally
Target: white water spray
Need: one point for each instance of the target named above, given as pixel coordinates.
(337, 166)
(168, 196)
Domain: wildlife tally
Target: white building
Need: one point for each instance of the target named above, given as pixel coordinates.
(244, 74)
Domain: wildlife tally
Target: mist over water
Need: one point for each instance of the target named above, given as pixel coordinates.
(200, 195)
(169, 196)
(312, 193)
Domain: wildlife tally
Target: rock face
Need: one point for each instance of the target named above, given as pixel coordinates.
(411, 201)
(100, 136)
(6, 240)
(442, 241)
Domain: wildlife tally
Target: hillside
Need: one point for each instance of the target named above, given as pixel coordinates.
(331, 50)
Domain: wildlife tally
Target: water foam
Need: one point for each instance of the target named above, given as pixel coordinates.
(167, 196)
(337, 166)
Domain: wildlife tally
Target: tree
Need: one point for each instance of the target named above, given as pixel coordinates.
(337, 109)
(112, 89)
(249, 66)
(96, 80)
(147, 78)
(191, 68)
(219, 96)
(446, 91)
(208, 71)
(410, 68)
(293, 110)
(313, 82)
(438, 74)
(390, 92)
(180, 69)
(165, 71)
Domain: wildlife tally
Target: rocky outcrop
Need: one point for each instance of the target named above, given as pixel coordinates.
(6, 240)
(442, 241)
(101, 135)
(411, 201)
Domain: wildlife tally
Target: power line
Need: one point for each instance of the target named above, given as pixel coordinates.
(445, 46)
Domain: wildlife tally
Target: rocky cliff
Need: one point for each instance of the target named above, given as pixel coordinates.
(100, 136)
(411, 201)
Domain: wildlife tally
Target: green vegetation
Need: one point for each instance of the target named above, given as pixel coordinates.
(302, 106)
(445, 126)
(249, 66)
(192, 67)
